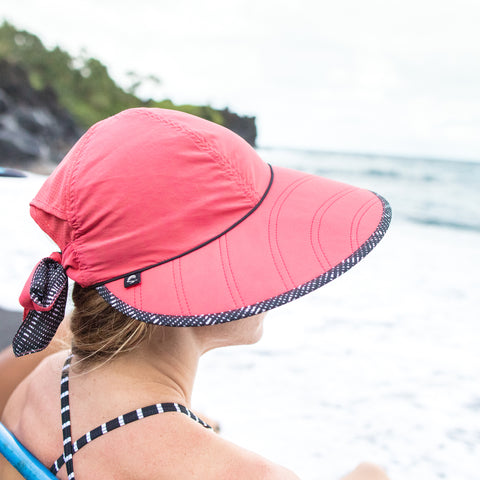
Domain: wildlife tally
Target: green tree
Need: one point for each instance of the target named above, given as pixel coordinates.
(83, 84)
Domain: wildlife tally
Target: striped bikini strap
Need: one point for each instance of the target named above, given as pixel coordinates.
(120, 421)
(67, 456)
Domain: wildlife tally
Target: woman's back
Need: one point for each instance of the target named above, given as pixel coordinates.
(163, 446)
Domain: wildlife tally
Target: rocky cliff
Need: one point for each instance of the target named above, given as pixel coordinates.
(244, 126)
(36, 131)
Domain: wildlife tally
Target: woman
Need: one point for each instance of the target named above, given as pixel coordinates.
(179, 238)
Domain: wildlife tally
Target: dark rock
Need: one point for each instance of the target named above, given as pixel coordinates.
(4, 102)
(32, 121)
(17, 147)
(35, 131)
(243, 126)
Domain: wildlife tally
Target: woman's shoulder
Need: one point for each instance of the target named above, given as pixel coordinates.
(161, 446)
(181, 448)
(29, 413)
(35, 391)
(235, 462)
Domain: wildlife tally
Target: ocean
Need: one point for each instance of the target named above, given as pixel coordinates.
(380, 365)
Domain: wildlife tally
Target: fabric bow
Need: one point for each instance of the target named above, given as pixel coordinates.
(44, 298)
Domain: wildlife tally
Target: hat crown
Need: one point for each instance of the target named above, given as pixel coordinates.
(144, 186)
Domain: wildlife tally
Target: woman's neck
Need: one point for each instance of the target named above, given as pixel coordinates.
(164, 367)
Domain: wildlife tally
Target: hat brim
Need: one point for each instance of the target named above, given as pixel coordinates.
(307, 231)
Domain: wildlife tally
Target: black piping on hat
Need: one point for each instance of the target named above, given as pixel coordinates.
(264, 305)
(140, 270)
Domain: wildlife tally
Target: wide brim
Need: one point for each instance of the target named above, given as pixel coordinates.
(307, 231)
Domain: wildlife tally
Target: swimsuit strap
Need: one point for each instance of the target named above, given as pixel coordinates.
(71, 448)
(67, 456)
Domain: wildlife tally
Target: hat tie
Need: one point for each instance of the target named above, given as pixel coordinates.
(44, 298)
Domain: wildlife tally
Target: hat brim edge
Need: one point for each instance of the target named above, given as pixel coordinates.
(261, 306)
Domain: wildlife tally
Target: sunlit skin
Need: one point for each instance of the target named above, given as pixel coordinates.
(170, 358)
(161, 369)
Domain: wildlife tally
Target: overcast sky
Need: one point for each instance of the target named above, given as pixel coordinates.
(380, 76)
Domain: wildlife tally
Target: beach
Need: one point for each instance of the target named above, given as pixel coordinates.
(9, 322)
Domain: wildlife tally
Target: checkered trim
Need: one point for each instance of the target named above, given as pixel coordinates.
(263, 306)
(48, 291)
(71, 448)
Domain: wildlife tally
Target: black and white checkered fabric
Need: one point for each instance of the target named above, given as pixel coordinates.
(263, 306)
(48, 292)
(70, 448)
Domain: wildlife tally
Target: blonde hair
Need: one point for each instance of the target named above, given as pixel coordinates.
(99, 332)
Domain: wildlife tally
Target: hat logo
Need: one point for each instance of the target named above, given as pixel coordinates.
(132, 280)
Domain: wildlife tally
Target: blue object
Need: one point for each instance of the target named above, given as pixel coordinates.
(15, 453)
(11, 172)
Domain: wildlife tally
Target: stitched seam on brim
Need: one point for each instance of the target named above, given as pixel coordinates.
(264, 305)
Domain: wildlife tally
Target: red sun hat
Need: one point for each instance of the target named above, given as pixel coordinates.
(177, 221)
